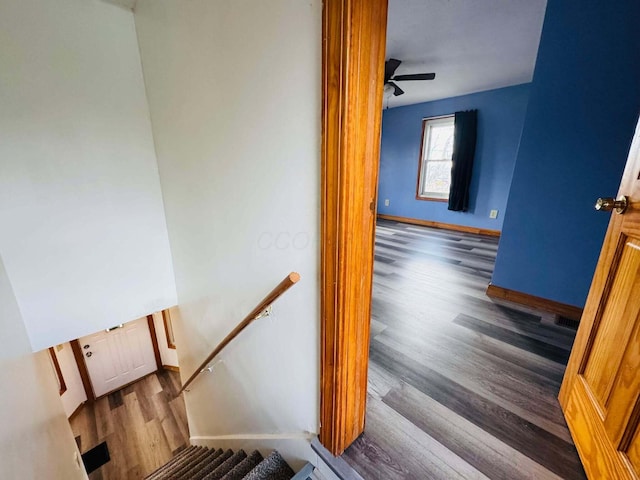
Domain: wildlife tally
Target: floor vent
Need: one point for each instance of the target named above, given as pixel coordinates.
(96, 457)
(567, 322)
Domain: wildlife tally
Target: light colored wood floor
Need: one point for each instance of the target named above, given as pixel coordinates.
(460, 387)
(144, 425)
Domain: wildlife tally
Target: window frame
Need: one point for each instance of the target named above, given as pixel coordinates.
(422, 162)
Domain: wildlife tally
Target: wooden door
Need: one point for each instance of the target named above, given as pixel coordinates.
(119, 356)
(600, 393)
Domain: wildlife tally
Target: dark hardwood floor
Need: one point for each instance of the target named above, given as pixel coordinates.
(144, 425)
(460, 387)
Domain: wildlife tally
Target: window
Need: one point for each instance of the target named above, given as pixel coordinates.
(434, 175)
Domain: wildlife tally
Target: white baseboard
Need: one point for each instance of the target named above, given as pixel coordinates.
(323, 472)
(316, 475)
(294, 447)
(330, 467)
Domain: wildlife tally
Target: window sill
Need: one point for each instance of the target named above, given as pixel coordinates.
(432, 199)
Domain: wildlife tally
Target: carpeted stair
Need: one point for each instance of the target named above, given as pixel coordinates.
(201, 463)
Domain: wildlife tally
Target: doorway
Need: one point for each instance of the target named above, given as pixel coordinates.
(353, 77)
(119, 355)
(142, 426)
(136, 416)
(459, 386)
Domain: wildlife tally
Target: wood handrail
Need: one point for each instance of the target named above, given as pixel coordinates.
(282, 287)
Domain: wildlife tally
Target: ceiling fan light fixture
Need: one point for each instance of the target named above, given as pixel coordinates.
(388, 90)
(390, 86)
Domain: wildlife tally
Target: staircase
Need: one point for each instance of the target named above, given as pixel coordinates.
(202, 463)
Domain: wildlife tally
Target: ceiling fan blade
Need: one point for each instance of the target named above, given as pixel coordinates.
(397, 91)
(415, 76)
(390, 66)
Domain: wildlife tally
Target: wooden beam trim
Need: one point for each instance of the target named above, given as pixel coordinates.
(353, 71)
(56, 365)
(441, 225)
(168, 329)
(562, 309)
(334, 84)
(75, 413)
(154, 342)
(82, 368)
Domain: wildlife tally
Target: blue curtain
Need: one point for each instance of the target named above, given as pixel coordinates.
(464, 149)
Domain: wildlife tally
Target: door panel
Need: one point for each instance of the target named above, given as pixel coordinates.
(600, 393)
(623, 401)
(633, 453)
(135, 342)
(610, 336)
(105, 362)
(119, 357)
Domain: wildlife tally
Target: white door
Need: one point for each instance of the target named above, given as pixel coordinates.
(118, 356)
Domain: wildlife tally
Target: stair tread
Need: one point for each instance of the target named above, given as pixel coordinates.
(271, 468)
(244, 467)
(197, 466)
(219, 460)
(202, 463)
(227, 466)
(171, 462)
(174, 463)
(188, 463)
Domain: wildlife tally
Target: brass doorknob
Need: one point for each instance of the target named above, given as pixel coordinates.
(606, 204)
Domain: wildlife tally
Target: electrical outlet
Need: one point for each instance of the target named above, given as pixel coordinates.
(386, 202)
(493, 214)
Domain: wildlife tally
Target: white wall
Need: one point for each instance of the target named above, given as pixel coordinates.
(35, 438)
(235, 100)
(84, 237)
(169, 356)
(75, 393)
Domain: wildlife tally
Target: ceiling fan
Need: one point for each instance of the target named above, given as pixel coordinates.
(390, 66)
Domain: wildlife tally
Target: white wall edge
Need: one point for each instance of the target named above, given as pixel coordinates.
(255, 436)
(295, 447)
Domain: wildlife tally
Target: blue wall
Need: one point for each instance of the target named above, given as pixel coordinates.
(583, 105)
(501, 115)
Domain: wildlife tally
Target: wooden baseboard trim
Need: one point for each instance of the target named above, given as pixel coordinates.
(307, 436)
(154, 341)
(172, 368)
(562, 309)
(127, 384)
(76, 411)
(444, 226)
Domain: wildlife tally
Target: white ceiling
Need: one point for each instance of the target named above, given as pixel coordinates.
(471, 45)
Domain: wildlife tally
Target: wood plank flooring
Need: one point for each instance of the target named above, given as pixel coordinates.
(460, 387)
(144, 425)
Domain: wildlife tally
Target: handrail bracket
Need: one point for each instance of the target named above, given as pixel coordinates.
(265, 313)
(263, 309)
